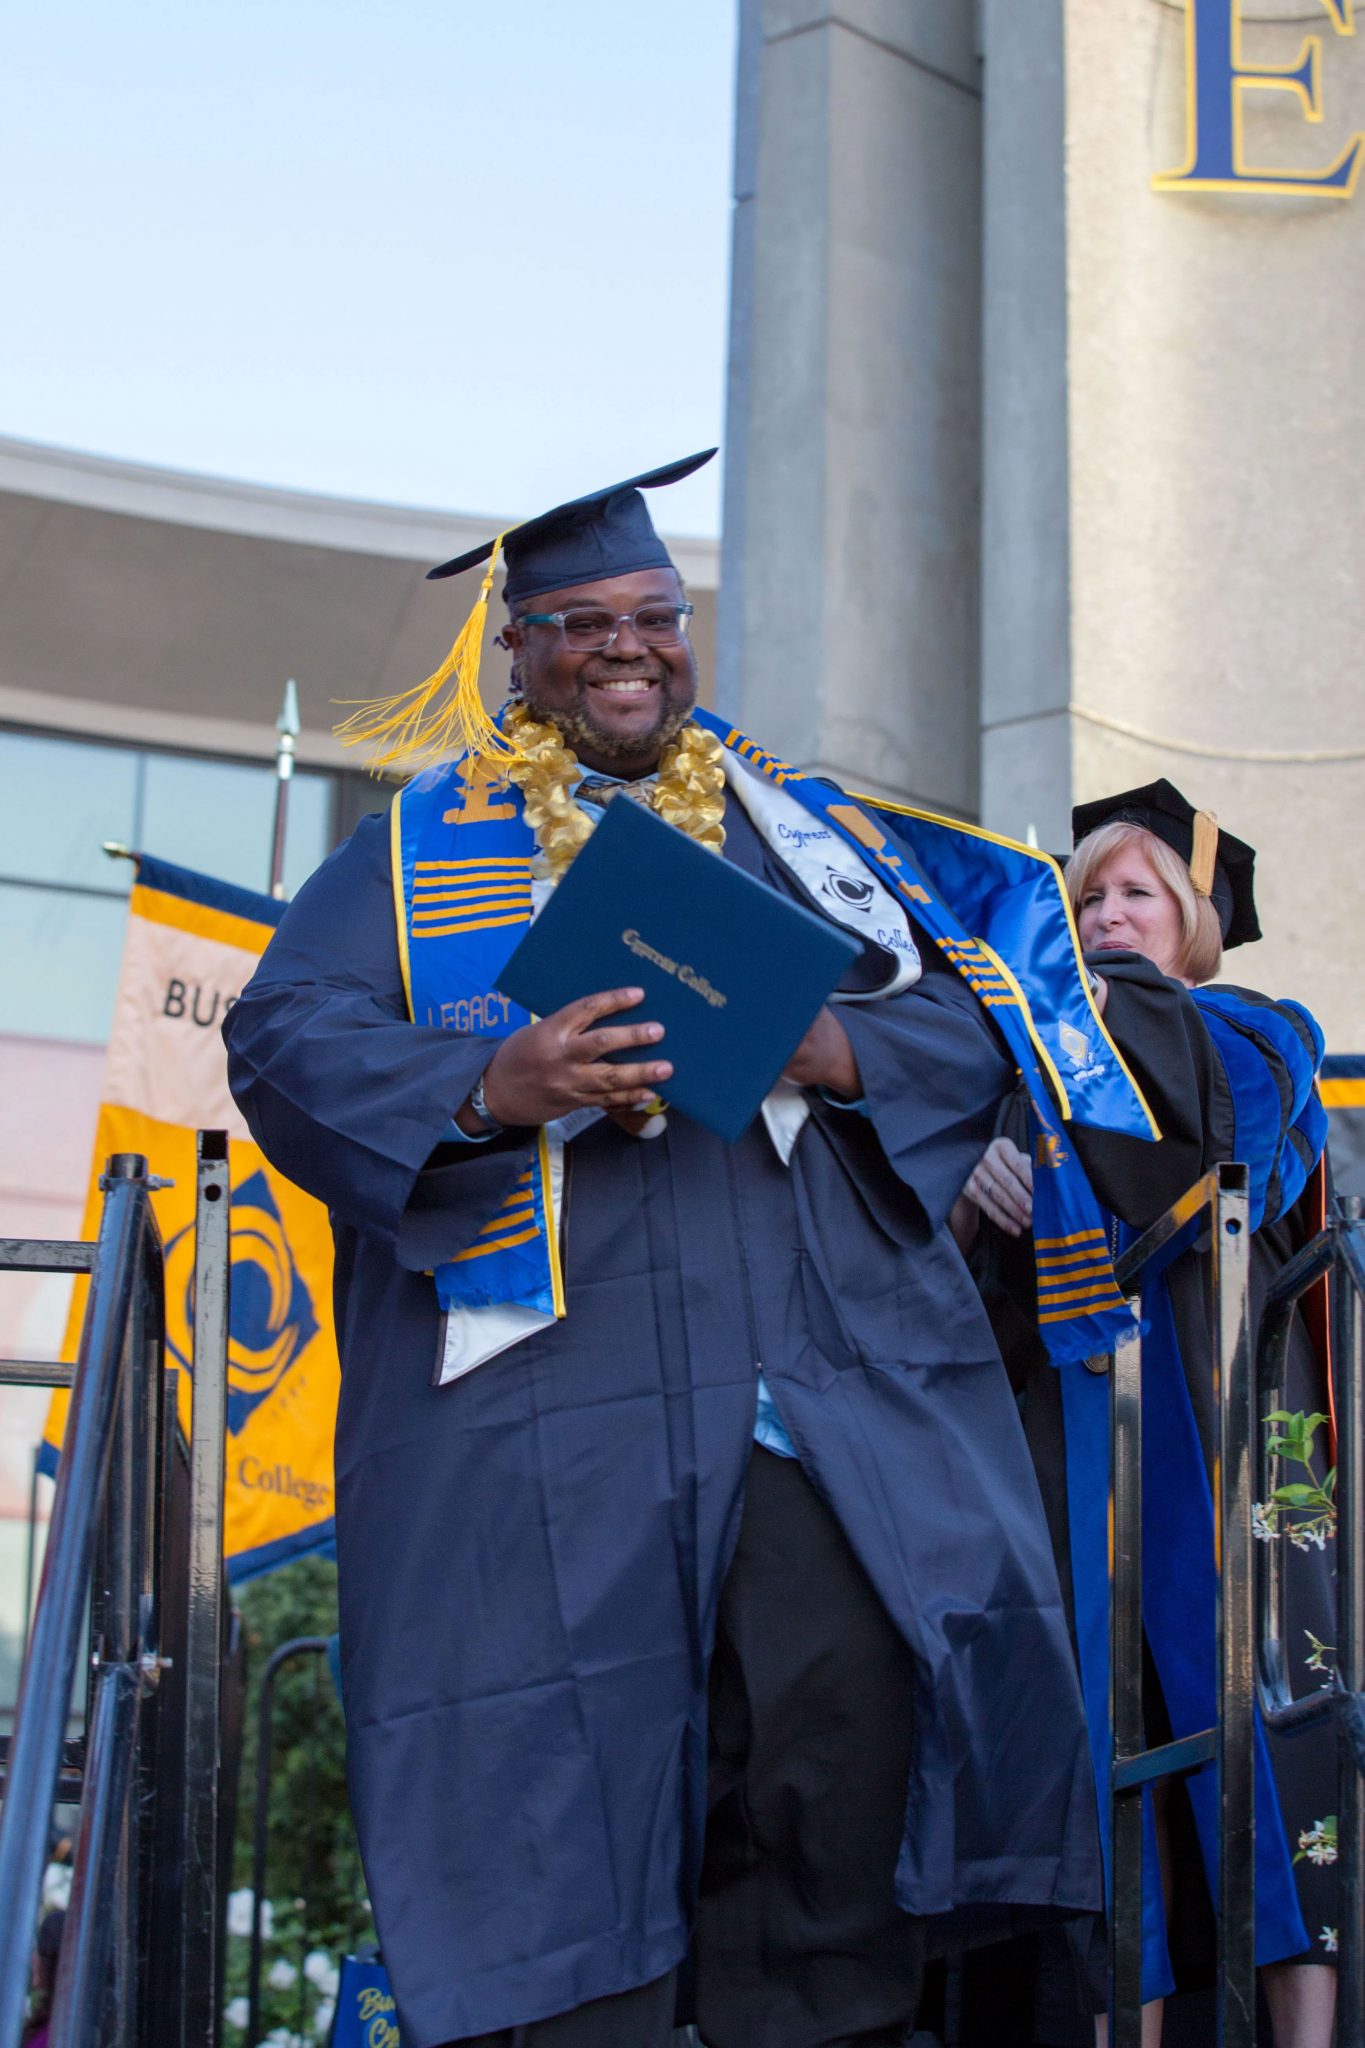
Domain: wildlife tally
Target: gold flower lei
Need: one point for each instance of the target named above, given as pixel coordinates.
(689, 791)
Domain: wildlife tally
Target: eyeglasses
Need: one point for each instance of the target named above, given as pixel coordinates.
(590, 631)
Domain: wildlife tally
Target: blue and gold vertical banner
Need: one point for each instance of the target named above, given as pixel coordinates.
(191, 946)
(365, 2014)
(1341, 1085)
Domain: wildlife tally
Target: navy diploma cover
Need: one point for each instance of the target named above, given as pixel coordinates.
(734, 972)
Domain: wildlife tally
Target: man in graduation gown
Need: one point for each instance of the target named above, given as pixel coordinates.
(702, 1642)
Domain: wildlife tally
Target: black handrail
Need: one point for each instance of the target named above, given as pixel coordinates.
(1250, 1588)
(1280, 1709)
(1219, 1205)
(1337, 1251)
(202, 1904)
(49, 1669)
(1348, 1336)
(102, 1873)
(297, 1646)
(136, 1526)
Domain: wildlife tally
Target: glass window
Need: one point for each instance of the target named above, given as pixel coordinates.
(62, 900)
(61, 799)
(218, 817)
(60, 953)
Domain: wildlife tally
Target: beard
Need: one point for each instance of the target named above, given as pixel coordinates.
(580, 730)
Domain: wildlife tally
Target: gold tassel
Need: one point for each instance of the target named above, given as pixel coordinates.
(1204, 852)
(429, 722)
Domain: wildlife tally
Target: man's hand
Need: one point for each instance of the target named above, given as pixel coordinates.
(1001, 1185)
(557, 1065)
(824, 1059)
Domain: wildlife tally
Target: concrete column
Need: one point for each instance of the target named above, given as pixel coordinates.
(1025, 530)
(1214, 440)
(849, 610)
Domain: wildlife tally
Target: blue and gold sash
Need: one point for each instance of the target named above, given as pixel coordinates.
(462, 854)
(462, 875)
(1009, 930)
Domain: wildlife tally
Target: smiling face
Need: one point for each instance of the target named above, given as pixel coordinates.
(1126, 907)
(619, 706)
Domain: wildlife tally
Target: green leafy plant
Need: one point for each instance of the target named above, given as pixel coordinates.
(315, 1892)
(1304, 1510)
(1320, 1654)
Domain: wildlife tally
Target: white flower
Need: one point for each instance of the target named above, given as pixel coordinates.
(237, 2012)
(280, 2037)
(1260, 1524)
(321, 1972)
(1328, 1938)
(57, 1886)
(239, 1913)
(1319, 1843)
(1302, 1539)
(281, 1974)
(322, 2018)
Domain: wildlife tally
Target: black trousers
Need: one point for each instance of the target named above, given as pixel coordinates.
(799, 1941)
(633, 2019)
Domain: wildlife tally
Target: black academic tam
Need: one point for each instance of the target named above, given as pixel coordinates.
(607, 533)
(1161, 808)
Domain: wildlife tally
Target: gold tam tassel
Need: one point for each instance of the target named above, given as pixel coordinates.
(1204, 852)
(431, 722)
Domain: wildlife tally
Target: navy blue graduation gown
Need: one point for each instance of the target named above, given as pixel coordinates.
(530, 1558)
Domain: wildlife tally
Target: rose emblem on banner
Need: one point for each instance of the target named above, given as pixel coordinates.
(272, 1317)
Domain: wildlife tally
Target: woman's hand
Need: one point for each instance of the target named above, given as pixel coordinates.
(1001, 1185)
(824, 1059)
(557, 1064)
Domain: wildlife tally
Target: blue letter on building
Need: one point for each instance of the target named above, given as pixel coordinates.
(1216, 81)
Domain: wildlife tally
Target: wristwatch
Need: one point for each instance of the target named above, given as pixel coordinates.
(481, 1109)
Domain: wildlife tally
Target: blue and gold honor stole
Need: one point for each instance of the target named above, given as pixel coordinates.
(462, 857)
(999, 914)
(462, 854)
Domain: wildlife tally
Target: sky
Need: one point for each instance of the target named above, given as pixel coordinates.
(418, 251)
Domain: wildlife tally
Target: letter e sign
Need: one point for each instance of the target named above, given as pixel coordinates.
(1216, 85)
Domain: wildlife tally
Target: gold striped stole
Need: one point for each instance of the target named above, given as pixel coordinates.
(469, 895)
(979, 970)
(512, 1223)
(768, 764)
(1073, 1271)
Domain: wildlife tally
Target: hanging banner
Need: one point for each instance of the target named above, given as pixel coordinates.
(365, 2015)
(1341, 1085)
(191, 946)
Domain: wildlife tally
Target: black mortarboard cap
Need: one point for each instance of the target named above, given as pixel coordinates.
(1195, 835)
(608, 533)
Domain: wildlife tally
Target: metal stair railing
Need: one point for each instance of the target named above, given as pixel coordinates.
(1338, 1252)
(1250, 1673)
(109, 1411)
(136, 1531)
